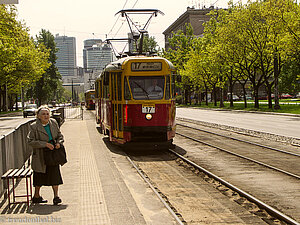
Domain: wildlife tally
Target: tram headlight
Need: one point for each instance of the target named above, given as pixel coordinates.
(148, 116)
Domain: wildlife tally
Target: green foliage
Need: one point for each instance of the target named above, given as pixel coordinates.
(242, 43)
(49, 86)
(22, 62)
(181, 44)
(150, 45)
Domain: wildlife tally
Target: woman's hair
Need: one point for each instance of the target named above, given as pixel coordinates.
(42, 107)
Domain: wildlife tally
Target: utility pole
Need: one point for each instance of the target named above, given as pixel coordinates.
(72, 93)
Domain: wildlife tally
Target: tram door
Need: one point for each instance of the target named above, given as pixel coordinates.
(117, 116)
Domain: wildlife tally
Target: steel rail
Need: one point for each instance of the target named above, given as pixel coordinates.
(263, 205)
(236, 139)
(178, 220)
(244, 157)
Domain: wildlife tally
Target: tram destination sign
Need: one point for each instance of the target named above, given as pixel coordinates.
(146, 66)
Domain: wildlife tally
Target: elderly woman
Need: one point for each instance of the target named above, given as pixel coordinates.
(44, 133)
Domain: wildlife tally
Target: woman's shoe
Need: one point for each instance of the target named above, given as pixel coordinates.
(56, 200)
(39, 200)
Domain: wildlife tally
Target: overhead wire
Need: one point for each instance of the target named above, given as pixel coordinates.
(124, 20)
(117, 18)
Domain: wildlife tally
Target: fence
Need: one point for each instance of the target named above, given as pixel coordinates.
(14, 150)
(73, 112)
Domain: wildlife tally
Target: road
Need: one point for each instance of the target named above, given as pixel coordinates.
(8, 124)
(288, 126)
(275, 124)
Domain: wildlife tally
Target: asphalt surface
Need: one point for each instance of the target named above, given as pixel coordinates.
(279, 124)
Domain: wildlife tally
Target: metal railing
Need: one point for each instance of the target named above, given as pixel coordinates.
(14, 150)
(73, 112)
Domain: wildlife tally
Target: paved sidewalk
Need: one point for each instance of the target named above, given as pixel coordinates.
(100, 187)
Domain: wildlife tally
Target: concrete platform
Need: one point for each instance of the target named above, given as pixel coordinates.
(100, 186)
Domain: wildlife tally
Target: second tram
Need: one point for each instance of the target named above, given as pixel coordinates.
(89, 96)
(135, 100)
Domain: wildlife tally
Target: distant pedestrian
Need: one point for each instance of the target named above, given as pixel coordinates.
(44, 133)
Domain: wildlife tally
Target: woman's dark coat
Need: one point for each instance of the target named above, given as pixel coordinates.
(38, 138)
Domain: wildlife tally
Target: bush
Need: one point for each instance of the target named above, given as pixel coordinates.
(178, 99)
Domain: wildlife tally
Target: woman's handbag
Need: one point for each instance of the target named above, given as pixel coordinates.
(55, 157)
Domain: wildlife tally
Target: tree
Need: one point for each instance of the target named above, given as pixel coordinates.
(21, 62)
(149, 44)
(46, 88)
(181, 44)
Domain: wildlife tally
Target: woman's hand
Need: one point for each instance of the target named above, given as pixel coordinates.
(57, 145)
(50, 146)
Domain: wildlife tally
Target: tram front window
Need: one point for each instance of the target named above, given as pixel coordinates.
(147, 88)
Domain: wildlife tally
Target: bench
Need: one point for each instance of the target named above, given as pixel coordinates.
(14, 174)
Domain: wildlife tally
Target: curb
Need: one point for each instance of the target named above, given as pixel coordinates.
(243, 111)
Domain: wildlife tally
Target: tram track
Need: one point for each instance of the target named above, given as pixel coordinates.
(279, 160)
(271, 210)
(191, 198)
(240, 140)
(254, 205)
(272, 196)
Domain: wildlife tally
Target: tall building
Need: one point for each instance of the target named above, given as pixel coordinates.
(97, 56)
(88, 44)
(195, 17)
(66, 57)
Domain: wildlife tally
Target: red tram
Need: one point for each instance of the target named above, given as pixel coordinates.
(135, 100)
(89, 96)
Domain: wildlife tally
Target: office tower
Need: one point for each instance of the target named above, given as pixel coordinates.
(97, 56)
(66, 57)
(88, 44)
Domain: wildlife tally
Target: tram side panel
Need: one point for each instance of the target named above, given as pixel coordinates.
(106, 116)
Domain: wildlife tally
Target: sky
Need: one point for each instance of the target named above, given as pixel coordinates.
(88, 19)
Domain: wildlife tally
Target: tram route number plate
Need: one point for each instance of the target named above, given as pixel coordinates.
(148, 108)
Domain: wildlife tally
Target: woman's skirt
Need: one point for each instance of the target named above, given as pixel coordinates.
(50, 178)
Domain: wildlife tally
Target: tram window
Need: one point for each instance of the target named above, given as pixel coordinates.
(100, 89)
(167, 96)
(97, 89)
(106, 78)
(119, 80)
(147, 88)
(114, 86)
(127, 95)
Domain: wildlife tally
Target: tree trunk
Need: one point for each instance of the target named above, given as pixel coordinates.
(6, 99)
(206, 97)
(200, 97)
(276, 75)
(221, 98)
(269, 90)
(231, 97)
(256, 103)
(215, 96)
(244, 93)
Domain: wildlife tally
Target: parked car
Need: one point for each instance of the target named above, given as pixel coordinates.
(284, 96)
(248, 97)
(235, 98)
(30, 110)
